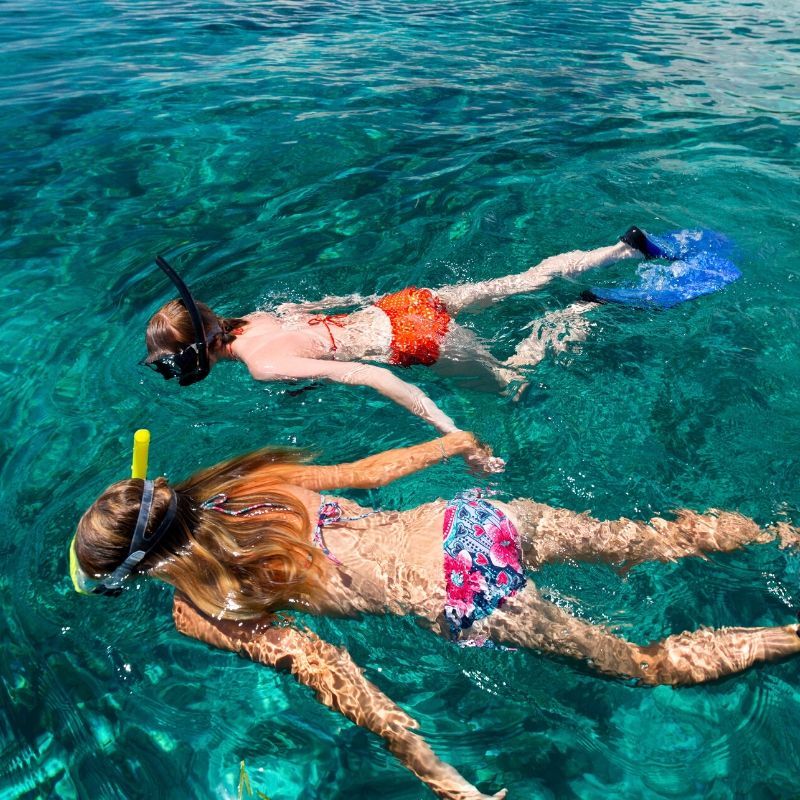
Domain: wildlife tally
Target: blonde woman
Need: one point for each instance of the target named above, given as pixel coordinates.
(260, 534)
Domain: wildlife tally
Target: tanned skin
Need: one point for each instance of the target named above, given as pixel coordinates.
(527, 620)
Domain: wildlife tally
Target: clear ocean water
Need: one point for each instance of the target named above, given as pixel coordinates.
(284, 150)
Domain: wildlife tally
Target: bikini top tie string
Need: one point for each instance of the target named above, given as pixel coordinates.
(330, 513)
(327, 320)
(219, 501)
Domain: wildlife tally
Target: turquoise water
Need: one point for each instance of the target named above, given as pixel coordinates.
(285, 150)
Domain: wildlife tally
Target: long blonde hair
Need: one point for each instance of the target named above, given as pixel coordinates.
(236, 567)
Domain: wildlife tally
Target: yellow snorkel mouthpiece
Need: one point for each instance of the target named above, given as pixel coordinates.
(141, 450)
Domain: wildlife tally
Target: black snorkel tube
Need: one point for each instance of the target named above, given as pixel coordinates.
(191, 364)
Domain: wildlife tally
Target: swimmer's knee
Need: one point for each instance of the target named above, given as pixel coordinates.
(683, 659)
(652, 666)
(649, 665)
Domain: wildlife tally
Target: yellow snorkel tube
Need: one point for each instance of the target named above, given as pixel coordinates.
(141, 450)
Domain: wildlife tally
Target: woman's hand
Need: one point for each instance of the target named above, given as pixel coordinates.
(478, 455)
(478, 795)
(444, 780)
(468, 794)
(482, 460)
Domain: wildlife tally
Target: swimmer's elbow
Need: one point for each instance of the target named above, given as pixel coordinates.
(261, 373)
(388, 384)
(276, 370)
(258, 640)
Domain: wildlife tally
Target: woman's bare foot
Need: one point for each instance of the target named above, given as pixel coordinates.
(787, 535)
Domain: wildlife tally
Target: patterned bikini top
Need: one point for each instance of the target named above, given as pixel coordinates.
(330, 513)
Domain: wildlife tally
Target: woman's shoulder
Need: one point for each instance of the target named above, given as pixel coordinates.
(258, 319)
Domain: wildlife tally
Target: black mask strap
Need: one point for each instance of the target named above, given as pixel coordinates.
(140, 545)
(194, 312)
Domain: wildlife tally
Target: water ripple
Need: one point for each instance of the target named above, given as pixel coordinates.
(284, 150)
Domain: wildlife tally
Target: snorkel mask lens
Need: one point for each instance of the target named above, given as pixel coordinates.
(166, 366)
(185, 366)
(81, 582)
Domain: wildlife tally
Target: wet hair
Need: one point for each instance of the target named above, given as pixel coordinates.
(170, 329)
(234, 567)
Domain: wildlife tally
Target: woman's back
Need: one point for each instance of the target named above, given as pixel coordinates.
(384, 561)
(363, 333)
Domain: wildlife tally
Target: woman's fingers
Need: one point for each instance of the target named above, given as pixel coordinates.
(495, 464)
(480, 796)
(483, 460)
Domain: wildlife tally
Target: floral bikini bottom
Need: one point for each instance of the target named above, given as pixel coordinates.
(482, 566)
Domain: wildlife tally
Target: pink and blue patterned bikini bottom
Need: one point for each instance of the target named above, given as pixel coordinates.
(482, 566)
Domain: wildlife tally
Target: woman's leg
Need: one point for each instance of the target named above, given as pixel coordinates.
(464, 295)
(557, 534)
(692, 657)
(553, 332)
(463, 353)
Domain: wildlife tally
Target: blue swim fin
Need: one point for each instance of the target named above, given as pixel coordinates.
(698, 265)
(686, 243)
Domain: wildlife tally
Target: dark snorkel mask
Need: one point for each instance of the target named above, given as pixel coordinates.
(141, 544)
(191, 364)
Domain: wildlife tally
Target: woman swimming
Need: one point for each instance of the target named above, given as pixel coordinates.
(412, 326)
(255, 535)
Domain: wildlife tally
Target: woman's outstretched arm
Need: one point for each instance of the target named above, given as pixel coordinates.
(356, 374)
(383, 468)
(338, 683)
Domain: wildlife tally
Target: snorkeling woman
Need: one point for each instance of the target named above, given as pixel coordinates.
(255, 535)
(413, 326)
